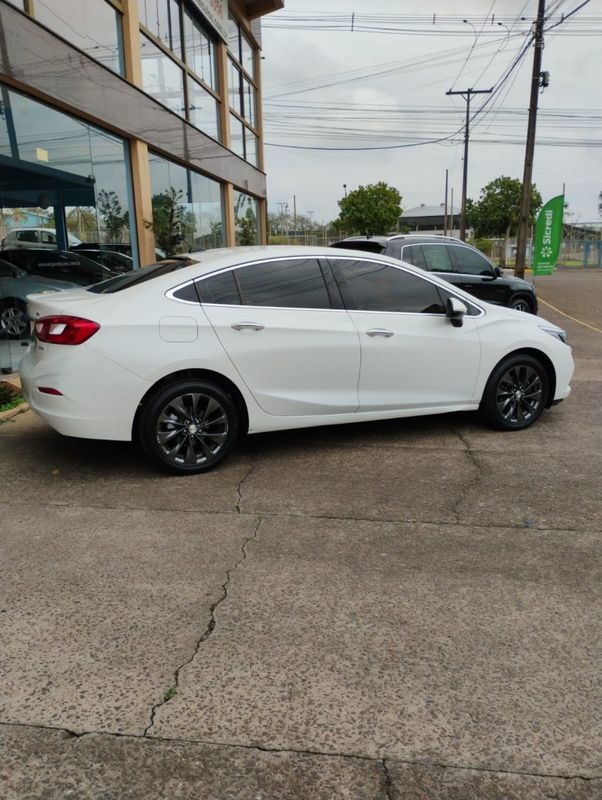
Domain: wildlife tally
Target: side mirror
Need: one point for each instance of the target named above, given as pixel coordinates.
(498, 272)
(455, 311)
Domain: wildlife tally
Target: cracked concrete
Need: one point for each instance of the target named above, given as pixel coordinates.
(419, 615)
(208, 630)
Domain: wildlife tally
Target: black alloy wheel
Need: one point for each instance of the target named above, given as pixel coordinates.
(189, 426)
(14, 322)
(521, 304)
(516, 393)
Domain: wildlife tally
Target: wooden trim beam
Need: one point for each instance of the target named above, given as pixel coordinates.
(141, 184)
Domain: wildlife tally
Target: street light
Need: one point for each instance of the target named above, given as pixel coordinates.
(345, 189)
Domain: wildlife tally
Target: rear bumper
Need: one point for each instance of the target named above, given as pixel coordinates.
(98, 398)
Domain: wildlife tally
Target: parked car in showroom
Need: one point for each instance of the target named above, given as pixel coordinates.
(456, 262)
(188, 354)
(25, 238)
(15, 285)
(62, 265)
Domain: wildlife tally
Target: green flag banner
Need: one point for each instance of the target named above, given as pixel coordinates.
(548, 235)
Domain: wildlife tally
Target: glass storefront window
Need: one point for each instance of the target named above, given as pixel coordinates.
(203, 109)
(162, 18)
(93, 26)
(200, 52)
(18, 3)
(187, 208)
(162, 78)
(66, 185)
(237, 136)
(246, 219)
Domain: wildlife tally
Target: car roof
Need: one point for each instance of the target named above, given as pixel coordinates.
(206, 262)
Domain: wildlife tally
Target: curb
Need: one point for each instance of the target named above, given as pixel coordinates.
(12, 412)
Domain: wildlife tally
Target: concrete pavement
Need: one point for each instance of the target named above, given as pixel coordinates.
(407, 609)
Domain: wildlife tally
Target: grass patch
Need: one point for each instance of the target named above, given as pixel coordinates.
(16, 401)
(170, 694)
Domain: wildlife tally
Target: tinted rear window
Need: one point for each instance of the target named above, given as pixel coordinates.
(142, 275)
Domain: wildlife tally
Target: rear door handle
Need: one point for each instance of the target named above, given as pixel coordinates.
(247, 326)
(380, 332)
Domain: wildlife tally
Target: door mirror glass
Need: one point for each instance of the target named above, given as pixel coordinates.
(499, 273)
(455, 311)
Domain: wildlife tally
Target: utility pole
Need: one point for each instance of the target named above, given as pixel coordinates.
(466, 94)
(521, 239)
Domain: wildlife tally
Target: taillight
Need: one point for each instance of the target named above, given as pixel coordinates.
(65, 330)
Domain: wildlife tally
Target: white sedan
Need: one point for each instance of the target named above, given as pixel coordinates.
(189, 354)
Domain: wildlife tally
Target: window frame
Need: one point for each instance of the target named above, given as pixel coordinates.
(188, 73)
(330, 285)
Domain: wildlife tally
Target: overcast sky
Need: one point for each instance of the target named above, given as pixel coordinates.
(415, 99)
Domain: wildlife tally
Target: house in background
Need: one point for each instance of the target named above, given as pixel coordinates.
(430, 219)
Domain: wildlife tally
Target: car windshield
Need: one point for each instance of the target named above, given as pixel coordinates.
(142, 275)
(58, 264)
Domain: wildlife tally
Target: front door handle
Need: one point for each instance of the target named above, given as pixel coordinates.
(247, 326)
(380, 332)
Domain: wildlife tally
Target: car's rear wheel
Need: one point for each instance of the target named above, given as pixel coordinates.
(521, 304)
(516, 393)
(14, 322)
(189, 426)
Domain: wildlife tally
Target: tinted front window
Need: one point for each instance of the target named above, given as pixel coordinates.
(219, 289)
(284, 284)
(368, 286)
(436, 258)
(470, 262)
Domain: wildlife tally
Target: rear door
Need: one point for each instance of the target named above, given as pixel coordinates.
(286, 332)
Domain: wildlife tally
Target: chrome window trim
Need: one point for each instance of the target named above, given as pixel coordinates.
(323, 257)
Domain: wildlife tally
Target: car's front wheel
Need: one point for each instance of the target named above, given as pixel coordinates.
(14, 322)
(189, 426)
(516, 393)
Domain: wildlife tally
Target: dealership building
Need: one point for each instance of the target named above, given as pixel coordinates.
(132, 123)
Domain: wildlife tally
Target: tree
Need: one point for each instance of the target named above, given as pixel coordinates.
(498, 210)
(246, 229)
(168, 221)
(372, 209)
(114, 218)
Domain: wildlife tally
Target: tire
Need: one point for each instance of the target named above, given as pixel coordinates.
(189, 426)
(516, 393)
(14, 322)
(521, 304)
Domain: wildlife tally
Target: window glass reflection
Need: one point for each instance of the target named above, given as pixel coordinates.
(187, 208)
(203, 109)
(161, 77)
(200, 52)
(162, 18)
(65, 184)
(234, 87)
(246, 219)
(93, 26)
(247, 60)
(233, 37)
(249, 101)
(237, 136)
(251, 147)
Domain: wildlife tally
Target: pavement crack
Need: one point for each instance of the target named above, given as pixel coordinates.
(240, 485)
(173, 690)
(388, 781)
(475, 484)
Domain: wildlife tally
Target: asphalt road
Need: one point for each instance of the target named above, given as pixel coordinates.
(402, 610)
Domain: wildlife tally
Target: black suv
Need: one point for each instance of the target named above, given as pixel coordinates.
(456, 262)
